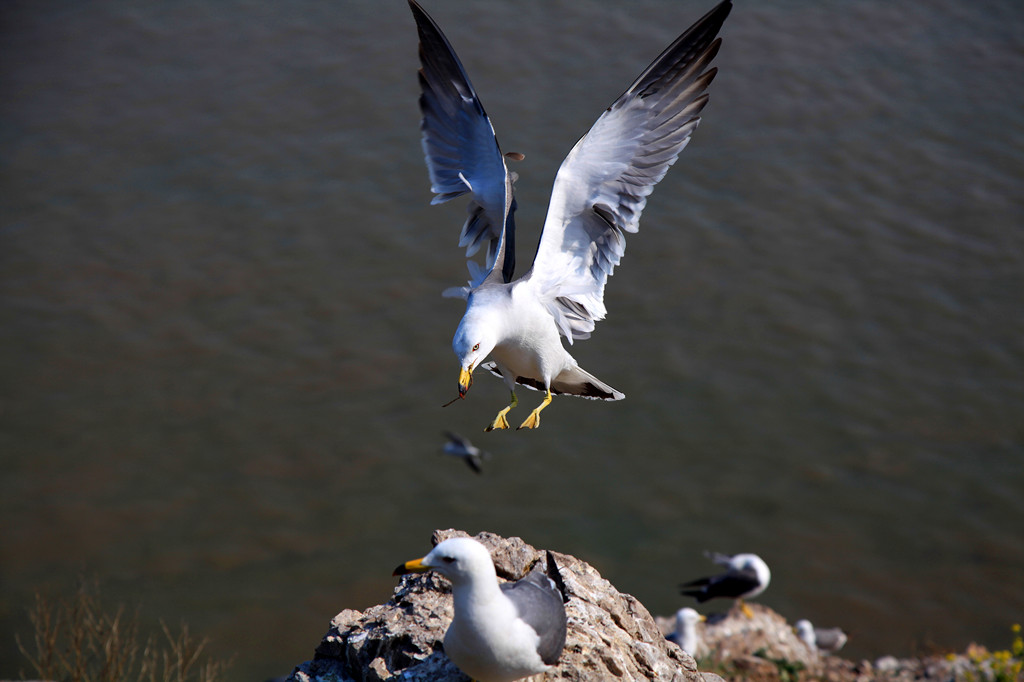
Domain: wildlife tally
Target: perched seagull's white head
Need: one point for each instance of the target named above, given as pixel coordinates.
(461, 560)
(685, 634)
(805, 631)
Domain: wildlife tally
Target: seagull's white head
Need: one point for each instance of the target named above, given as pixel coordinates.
(805, 631)
(461, 560)
(474, 340)
(752, 562)
(687, 617)
(685, 634)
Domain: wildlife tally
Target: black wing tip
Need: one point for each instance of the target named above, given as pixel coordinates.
(698, 44)
(424, 22)
(699, 582)
(418, 11)
(717, 14)
(700, 595)
(708, 26)
(555, 574)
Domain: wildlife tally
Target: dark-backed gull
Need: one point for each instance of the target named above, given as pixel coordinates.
(746, 576)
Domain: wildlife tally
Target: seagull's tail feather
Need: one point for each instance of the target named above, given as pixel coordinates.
(575, 381)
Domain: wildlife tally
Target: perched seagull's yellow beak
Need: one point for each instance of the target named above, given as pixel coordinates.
(414, 566)
(465, 380)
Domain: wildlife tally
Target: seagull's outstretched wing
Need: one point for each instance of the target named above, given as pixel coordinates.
(461, 151)
(457, 442)
(731, 584)
(603, 184)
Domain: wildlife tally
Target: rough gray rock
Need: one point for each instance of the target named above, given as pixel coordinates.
(750, 644)
(735, 636)
(611, 636)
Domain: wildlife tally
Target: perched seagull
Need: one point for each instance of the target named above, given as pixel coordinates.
(599, 192)
(746, 577)
(685, 634)
(499, 632)
(827, 640)
(461, 447)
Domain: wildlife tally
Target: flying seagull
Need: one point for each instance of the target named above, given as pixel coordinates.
(746, 576)
(461, 447)
(501, 631)
(828, 640)
(599, 193)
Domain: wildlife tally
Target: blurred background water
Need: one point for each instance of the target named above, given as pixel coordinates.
(223, 349)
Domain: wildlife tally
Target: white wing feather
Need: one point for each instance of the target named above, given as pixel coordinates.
(602, 186)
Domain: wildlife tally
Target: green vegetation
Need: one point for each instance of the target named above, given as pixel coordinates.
(74, 640)
(789, 671)
(996, 666)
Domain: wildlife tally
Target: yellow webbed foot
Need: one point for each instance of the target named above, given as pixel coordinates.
(533, 421)
(499, 421)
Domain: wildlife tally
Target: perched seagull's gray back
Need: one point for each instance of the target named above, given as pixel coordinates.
(820, 639)
(540, 604)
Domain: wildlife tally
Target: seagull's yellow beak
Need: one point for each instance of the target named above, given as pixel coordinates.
(414, 566)
(465, 380)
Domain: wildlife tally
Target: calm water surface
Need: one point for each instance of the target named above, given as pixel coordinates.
(223, 349)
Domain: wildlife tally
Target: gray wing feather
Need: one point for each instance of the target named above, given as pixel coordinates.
(460, 148)
(829, 639)
(603, 184)
(538, 601)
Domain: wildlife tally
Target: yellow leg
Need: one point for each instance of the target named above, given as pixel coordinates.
(533, 421)
(746, 609)
(500, 422)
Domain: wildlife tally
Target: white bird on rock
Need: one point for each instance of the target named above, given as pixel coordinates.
(598, 196)
(499, 632)
(828, 640)
(685, 634)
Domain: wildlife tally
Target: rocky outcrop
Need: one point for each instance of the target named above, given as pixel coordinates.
(749, 642)
(766, 649)
(611, 636)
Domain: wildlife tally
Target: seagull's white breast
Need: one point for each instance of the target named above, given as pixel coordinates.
(530, 344)
(489, 642)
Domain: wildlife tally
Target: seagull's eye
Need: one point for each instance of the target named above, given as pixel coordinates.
(448, 559)
(476, 347)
